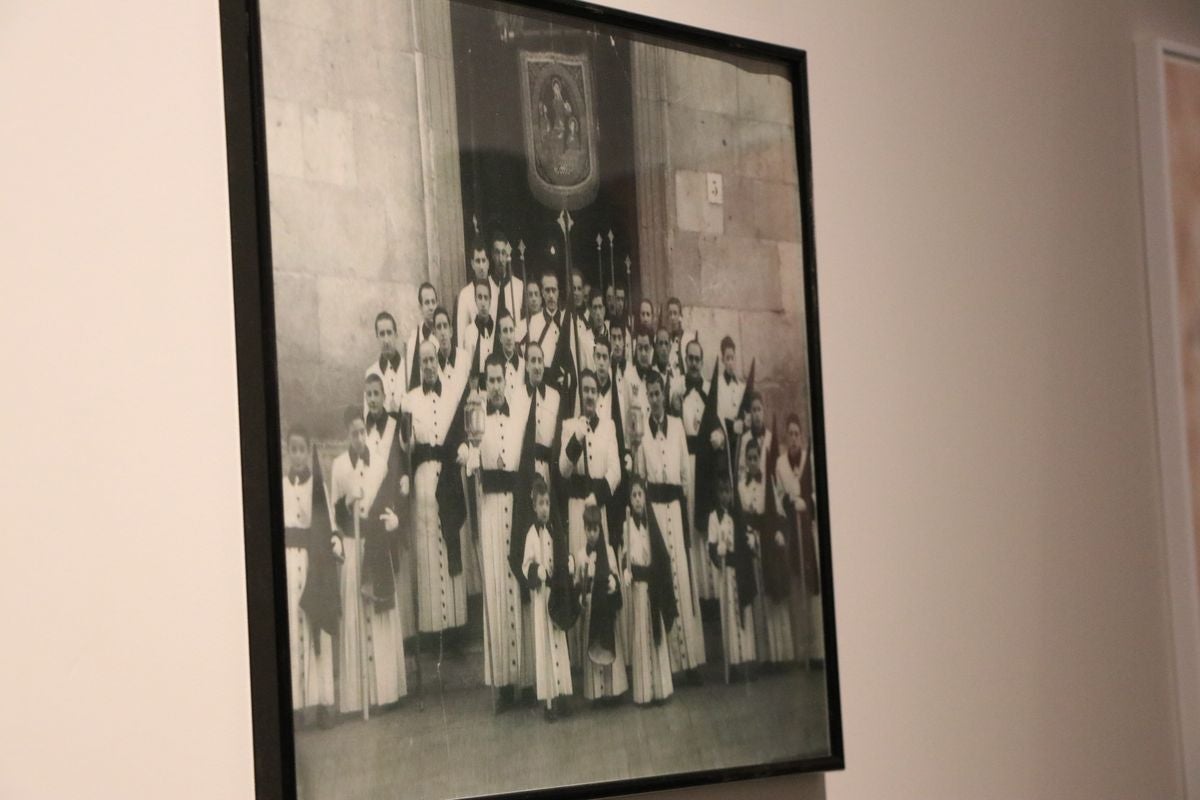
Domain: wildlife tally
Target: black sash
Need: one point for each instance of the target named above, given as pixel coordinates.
(693, 444)
(664, 492)
(295, 537)
(427, 452)
(497, 481)
(580, 486)
(542, 452)
(640, 574)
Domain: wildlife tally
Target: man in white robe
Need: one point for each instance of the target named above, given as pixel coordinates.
(545, 413)
(467, 307)
(665, 465)
(546, 327)
(441, 592)
(508, 291)
(531, 310)
(428, 299)
(730, 391)
(514, 365)
(311, 651)
(689, 396)
(497, 460)
(389, 367)
(794, 492)
(673, 322)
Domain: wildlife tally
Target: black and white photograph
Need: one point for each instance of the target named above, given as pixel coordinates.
(551, 467)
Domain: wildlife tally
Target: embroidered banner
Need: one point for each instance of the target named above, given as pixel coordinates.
(561, 129)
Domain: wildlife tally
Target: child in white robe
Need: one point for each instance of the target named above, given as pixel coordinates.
(652, 597)
(551, 659)
(726, 550)
(604, 679)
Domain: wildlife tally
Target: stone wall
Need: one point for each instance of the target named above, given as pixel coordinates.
(363, 183)
(735, 264)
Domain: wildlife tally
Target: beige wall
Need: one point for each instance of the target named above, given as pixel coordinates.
(996, 534)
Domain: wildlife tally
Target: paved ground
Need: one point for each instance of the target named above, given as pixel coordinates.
(446, 742)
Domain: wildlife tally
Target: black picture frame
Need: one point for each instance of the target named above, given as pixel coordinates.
(258, 393)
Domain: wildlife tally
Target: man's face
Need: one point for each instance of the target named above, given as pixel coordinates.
(645, 352)
(533, 298)
(596, 312)
(479, 264)
(358, 434)
(550, 293)
(757, 415)
(385, 332)
(587, 389)
(646, 314)
(428, 305)
(728, 359)
(662, 347)
(444, 331)
(534, 363)
(618, 345)
(654, 393)
(483, 300)
(501, 256)
(495, 384)
(577, 290)
(795, 438)
(693, 359)
(507, 335)
(541, 507)
(429, 363)
(297, 450)
(600, 352)
(373, 393)
(610, 298)
(618, 303)
(674, 318)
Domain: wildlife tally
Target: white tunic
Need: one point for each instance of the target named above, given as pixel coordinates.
(514, 378)
(466, 308)
(500, 450)
(806, 616)
(665, 460)
(311, 660)
(441, 597)
(553, 662)
(545, 417)
(368, 634)
(412, 354)
(729, 396)
(692, 412)
(773, 628)
(603, 461)
(545, 330)
(651, 663)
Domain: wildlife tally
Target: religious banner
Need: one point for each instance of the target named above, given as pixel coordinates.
(561, 130)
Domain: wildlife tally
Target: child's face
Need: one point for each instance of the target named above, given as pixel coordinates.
(593, 534)
(637, 499)
(541, 507)
(725, 495)
(297, 449)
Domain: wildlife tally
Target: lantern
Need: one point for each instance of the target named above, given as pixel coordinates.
(475, 417)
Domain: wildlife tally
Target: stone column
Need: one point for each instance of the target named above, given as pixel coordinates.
(652, 159)
(437, 119)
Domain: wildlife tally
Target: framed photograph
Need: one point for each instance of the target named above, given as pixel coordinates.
(1169, 110)
(533, 456)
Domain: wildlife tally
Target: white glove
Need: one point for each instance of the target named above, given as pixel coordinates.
(721, 549)
(463, 452)
(717, 439)
(591, 500)
(541, 573)
(476, 461)
(570, 563)
(628, 577)
(390, 520)
(628, 463)
(738, 427)
(335, 542)
(404, 486)
(802, 506)
(779, 540)
(612, 584)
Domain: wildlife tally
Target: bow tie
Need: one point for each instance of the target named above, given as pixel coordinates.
(729, 378)
(500, 409)
(377, 422)
(392, 360)
(512, 361)
(540, 389)
(364, 456)
(639, 521)
(619, 364)
(794, 460)
(656, 426)
(753, 475)
(592, 421)
(720, 514)
(603, 390)
(643, 371)
(426, 332)
(694, 382)
(663, 368)
(550, 317)
(435, 387)
(485, 327)
(300, 475)
(443, 360)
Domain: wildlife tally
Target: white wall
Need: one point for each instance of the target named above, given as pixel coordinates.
(996, 537)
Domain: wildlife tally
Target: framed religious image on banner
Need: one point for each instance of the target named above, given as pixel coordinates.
(533, 456)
